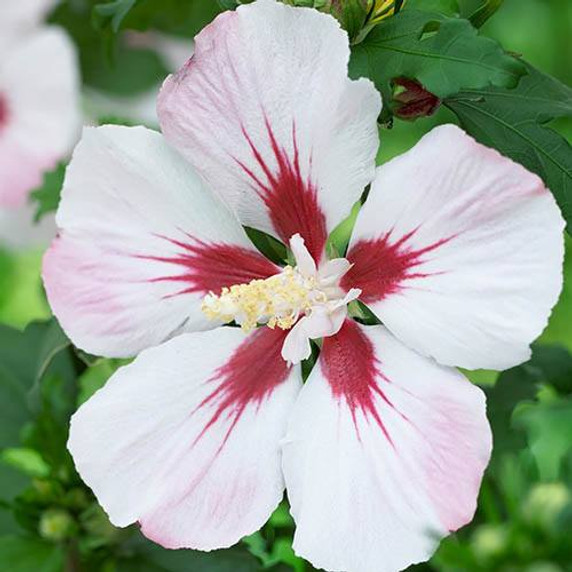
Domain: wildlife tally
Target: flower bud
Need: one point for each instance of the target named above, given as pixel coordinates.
(545, 503)
(489, 541)
(56, 525)
(412, 100)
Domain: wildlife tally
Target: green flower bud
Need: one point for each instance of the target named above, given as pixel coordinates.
(56, 525)
(545, 502)
(489, 541)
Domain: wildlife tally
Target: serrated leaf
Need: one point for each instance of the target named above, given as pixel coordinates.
(444, 54)
(47, 197)
(512, 121)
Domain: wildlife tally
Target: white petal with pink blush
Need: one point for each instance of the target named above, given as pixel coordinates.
(39, 111)
(185, 440)
(141, 242)
(384, 454)
(457, 249)
(266, 113)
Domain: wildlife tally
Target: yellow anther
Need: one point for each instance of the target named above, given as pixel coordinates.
(277, 301)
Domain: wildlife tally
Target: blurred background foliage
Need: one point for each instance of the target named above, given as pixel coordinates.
(49, 521)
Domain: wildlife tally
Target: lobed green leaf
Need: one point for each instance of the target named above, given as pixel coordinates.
(513, 121)
(446, 55)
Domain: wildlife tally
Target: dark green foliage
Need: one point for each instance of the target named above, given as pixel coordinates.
(444, 54)
(47, 197)
(514, 122)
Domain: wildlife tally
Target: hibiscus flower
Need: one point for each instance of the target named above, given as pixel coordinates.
(39, 108)
(457, 250)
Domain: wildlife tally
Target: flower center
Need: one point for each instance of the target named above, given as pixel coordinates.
(305, 299)
(277, 301)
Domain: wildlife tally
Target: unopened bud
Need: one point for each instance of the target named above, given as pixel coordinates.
(411, 100)
(56, 525)
(489, 541)
(545, 503)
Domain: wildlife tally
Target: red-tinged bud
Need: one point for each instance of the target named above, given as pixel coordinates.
(412, 100)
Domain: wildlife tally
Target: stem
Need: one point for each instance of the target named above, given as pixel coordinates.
(73, 563)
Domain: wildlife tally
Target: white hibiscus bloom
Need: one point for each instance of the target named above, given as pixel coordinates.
(458, 250)
(39, 110)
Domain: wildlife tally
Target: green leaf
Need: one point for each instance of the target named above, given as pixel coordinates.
(7, 272)
(549, 429)
(444, 54)
(447, 7)
(513, 121)
(513, 386)
(554, 364)
(21, 554)
(47, 197)
(12, 483)
(484, 12)
(183, 18)
(352, 15)
(131, 72)
(25, 359)
(95, 377)
(271, 247)
(152, 557)
(112, 14)
(26, 461)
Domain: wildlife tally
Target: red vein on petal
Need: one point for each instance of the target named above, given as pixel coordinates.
(291, 200)
(349, 364)
(209, 267)
(249, 377)
(381, 268)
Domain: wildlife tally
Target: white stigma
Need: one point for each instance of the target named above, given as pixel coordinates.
(305, 299)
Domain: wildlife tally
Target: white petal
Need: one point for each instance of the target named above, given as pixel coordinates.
(39, 85)
(186, 439)
(19, 18)
(458, 251)
(304, 261)
(331, 271)
(142, 241)
(384, 454)
(296, 346)
(267, 114)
